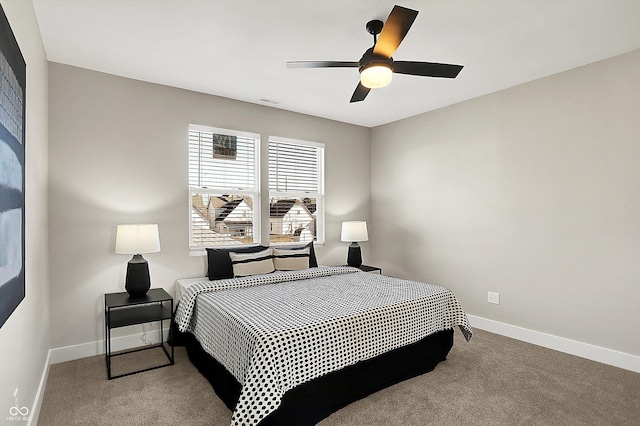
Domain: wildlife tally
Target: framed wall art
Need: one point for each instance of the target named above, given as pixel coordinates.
(225, 147)
(12, 171)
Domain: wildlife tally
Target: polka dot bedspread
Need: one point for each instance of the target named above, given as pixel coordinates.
(276, 331)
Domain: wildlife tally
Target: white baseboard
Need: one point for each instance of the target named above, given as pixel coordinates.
(573, 347)
(70, 353)
(84, 350)
(37, 403)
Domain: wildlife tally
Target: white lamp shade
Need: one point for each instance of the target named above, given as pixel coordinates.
(137, 239)
(354, 231)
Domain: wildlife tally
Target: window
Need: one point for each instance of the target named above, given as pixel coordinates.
(224, 184)
(296, 191)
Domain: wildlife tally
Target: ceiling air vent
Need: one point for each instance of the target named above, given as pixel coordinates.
(269, 101)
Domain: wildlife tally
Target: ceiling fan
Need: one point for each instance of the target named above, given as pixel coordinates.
(376, 65)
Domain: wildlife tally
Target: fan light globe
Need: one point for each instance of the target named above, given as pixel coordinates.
(376, 76)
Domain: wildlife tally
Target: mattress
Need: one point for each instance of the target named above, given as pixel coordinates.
(184, 283)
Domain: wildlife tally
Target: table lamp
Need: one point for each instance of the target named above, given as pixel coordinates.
(135, 240)
(354, 231)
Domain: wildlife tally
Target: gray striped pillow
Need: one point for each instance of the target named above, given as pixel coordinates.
(245, 264)
(291, 260)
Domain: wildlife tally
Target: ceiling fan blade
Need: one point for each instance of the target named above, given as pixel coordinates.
(321, 64)
(427, 69)
(394, 30)
(360, 93)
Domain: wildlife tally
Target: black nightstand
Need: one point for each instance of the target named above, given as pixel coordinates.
(121, 310)
(367, 268)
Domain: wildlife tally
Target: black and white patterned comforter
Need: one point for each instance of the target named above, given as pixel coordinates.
(276, 331)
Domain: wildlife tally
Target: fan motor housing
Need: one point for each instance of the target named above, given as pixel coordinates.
(370, 59)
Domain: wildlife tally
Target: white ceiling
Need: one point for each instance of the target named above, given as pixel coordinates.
(238, 49)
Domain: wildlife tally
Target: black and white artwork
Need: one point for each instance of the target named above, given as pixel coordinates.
(12, 161)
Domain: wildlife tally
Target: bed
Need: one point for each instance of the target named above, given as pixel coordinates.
(291, 347)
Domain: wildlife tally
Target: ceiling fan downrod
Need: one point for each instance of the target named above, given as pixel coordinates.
(374, 28)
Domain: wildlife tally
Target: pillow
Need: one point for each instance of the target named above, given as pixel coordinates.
(313, 263)
(291, 260)
(245, 264)
(219, 261)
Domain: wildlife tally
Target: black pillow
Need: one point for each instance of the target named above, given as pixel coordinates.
(220, 266)
(313, 262)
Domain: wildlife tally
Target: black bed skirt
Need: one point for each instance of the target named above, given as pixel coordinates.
(310, 402)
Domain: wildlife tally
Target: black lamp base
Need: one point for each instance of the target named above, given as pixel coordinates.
(354, 256)
(138, 281)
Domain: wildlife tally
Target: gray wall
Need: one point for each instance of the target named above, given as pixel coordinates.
(532, 192)
(24, 338)
(118, 154)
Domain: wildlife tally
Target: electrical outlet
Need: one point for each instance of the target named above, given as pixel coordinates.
(493, 298)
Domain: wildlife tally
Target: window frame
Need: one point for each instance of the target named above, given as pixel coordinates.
(255, 192)
(319, 195)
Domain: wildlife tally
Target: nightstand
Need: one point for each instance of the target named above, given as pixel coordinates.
(367, 268)
(121, 310)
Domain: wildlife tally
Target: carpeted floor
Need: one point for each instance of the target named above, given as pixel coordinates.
(493, 380)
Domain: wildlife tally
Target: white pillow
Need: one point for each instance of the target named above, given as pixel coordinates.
(245, 264)
(291, 260)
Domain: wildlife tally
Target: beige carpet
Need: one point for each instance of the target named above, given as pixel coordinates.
(492, 380)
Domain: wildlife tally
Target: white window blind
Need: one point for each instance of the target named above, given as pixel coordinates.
(296, 193)
(223, 187)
